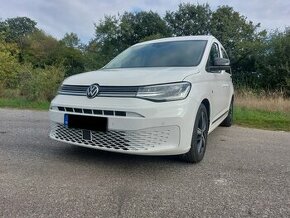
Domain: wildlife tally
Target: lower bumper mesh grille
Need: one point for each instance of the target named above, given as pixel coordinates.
(118, 140)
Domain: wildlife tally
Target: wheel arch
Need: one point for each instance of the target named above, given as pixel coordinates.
(206, 103)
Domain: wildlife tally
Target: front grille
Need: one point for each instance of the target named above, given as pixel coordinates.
(93, 111)
(118, 140)
(105, 91)
(73, 90)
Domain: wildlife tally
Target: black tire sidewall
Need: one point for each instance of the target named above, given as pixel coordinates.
(228, 121)
(231, 114)
(193, 150)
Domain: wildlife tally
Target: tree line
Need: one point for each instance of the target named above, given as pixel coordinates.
(33, 63)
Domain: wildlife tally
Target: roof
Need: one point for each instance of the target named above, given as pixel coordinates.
(179, 38)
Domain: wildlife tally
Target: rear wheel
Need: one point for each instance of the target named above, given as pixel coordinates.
(199, 137)
(229, 119)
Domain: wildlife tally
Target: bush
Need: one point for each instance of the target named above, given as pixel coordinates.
(41, 84)
(9, 66)
(288, 86)
(2, 89)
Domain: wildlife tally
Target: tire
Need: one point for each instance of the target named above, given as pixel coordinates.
(199, 137)
(228, 121)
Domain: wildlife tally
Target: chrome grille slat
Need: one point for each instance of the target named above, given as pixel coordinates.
(120, 94)
(109, 91)
(72, 93)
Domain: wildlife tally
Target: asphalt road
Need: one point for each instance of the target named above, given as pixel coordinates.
(246, 172)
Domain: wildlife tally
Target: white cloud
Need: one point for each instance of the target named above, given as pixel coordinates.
(57, 17)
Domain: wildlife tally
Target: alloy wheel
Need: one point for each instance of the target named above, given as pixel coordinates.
(201, 133)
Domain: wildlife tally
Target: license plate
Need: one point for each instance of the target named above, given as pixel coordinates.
(86, 122)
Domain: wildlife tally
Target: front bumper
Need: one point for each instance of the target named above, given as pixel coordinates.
(148, 128)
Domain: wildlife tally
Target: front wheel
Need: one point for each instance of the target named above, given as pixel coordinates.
(199, 137)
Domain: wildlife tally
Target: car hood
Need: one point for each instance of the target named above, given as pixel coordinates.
(131, 76)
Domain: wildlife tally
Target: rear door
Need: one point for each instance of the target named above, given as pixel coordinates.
(226, 82)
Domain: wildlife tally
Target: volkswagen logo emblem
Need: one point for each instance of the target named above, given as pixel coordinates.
(93, 91)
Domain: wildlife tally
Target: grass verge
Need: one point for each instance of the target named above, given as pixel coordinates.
(22, 103)
(262, 119)
(243, 116)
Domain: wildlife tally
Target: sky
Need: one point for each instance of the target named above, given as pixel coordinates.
(57, 17)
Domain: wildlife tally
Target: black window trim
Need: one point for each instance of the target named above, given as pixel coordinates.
(219, 52)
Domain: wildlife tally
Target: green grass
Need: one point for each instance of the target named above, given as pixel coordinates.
(22, 103)
(261, 119)
(243, 116)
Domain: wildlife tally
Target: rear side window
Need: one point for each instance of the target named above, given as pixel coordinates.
(214, 53)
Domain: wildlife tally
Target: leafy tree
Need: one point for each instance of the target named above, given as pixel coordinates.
(274, 64)
(9, 67)
(17, 28)
(245, 71)
(92, 56)
(243, 42)
(137, 26)
(72, 60)
(231, 28)
(41, 84)
(43, 50)
(3, 29)
(71, 40)
(151, 37)
(189, 19)
(107, 34)
(114, 34)
(40, 49)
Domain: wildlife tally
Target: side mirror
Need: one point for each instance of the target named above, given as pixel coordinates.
(220, 64)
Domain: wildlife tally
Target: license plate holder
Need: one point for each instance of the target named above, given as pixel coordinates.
(87, 134)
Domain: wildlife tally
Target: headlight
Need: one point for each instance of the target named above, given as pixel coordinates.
(165, 92)
(59, 88)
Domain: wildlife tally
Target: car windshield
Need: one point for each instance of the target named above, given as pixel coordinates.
(162, 54)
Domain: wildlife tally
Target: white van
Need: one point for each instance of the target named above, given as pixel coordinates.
(160, 97)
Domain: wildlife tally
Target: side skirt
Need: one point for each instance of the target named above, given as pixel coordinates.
(217, 121)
